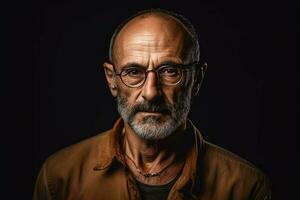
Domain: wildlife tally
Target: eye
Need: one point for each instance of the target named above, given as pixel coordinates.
(169, 71)
(133, 72)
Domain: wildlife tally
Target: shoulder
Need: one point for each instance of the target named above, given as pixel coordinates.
(82, 154)
(228, 160)
(230, 170)
(70, 167)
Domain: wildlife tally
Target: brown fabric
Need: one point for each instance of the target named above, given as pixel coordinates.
(94, 169)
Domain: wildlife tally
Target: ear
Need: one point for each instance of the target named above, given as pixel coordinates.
(200, 72)
(110, 77)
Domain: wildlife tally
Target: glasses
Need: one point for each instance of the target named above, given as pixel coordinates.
(169, 75)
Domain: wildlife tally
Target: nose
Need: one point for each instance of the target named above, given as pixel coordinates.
(150, 90)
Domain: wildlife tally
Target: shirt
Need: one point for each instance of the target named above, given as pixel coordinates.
(95, 169)
(155, 192)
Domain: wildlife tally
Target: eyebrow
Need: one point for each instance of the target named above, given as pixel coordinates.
(132, 64)
(135, 64)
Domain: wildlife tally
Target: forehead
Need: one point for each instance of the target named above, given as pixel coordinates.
(152, 39)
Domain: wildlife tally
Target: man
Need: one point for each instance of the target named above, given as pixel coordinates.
(153, 151)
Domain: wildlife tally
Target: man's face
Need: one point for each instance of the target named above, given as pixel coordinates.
(153, 111)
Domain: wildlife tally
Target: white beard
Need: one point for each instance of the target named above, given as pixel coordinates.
(150, 127)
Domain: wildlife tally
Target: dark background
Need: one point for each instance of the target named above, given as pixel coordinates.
(56, 93)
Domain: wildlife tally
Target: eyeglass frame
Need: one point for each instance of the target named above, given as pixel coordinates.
(181, 66)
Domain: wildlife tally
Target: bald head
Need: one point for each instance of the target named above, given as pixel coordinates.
(159, 26)
(155, 32)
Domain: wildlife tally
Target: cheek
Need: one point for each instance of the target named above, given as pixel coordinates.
(129, 94)
(172, 94)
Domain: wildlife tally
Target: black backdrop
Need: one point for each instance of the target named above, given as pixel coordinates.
(58, 96)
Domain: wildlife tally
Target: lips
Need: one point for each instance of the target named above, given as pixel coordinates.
(155, 111)
(151, 107)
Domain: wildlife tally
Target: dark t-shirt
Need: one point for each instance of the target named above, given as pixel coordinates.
(155, 192)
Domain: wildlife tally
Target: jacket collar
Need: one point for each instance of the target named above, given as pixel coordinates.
(193, 158)
(109, 151)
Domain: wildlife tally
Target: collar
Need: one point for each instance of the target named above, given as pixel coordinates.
(109, 149)
(109, 152)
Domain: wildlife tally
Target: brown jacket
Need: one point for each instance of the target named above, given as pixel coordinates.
(94, 169)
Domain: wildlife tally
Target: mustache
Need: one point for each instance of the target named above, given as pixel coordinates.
(151, 107)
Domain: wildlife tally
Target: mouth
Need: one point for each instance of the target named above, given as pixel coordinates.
(150, 113)
(151, 110)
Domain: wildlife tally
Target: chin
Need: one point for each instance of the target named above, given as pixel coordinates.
(155, 119)
(153, 127)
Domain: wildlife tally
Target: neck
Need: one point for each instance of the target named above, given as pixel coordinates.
(148, 154)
